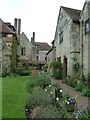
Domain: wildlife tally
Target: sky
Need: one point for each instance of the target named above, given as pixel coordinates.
(39, 16)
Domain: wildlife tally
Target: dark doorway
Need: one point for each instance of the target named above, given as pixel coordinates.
(65, 67)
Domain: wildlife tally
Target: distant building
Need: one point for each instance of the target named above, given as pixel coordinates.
(6, 35)
(24, 49)
(39, 50)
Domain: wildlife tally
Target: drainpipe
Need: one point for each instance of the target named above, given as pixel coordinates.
(81, 47)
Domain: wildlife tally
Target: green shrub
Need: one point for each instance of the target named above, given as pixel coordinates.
(4, 74)
(40, 97)
(50, 111)
(38, 81)
(57, 69)
(72, 82)
(86, 91)
(23, 72)
(80, 85)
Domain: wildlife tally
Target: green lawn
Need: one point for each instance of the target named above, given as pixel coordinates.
(14, 96)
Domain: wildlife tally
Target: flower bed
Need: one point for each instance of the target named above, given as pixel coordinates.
(48, 100)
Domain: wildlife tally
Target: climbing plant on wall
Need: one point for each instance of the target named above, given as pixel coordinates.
(14, 53)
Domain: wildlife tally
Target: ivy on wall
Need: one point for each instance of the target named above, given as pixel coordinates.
(14, 53)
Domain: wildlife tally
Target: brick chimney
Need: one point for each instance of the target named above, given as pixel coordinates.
(15, 24)
(19, 27)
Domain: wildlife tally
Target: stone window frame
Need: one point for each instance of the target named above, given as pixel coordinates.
(37, 58)
(61, 37)
(23, 51)
(87, 22)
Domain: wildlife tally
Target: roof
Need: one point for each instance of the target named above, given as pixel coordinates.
(10, 26)
(73, 13)
(43, 45)
(4, 28)
(49, 51)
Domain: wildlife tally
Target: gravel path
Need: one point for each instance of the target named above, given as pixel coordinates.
(84, 101)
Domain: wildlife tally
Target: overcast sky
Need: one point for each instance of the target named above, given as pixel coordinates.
(39, 16)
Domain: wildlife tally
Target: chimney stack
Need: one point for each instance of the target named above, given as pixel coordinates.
(19, 26)
(33, 38)
(15, 24)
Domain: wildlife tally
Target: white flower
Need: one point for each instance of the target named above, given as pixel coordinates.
(67, 102)
(51, 92)
(45, 89)
(61, 91)
(57, 98)
(49, 85)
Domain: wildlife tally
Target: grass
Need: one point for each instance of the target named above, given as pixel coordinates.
(0, 98)
(14, 96)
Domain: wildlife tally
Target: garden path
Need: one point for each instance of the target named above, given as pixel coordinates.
(81, 100)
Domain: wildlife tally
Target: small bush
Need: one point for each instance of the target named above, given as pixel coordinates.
(80, 85)
(50, 111)
(40, 97)
(86, 91)
(38, 81)
(57, 69)
(23, 72)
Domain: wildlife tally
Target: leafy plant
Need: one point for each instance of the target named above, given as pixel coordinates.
(50, 111)
(37, 81)
(86, 91)
(57, 69)
(80, 85)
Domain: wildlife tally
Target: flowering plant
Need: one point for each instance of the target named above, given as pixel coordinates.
(70, 103)
(70, 100)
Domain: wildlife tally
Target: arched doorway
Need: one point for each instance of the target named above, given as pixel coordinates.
(65, 67)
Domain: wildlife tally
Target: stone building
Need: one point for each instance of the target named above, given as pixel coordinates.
(85, 38)
(72, 40)
(24, 49)
(39, 50)
(6, 31)
(67, 40)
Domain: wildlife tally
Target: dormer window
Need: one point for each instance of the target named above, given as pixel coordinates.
(87, 26)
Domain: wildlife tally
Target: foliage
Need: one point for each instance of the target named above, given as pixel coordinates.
(80, 85)
(14, 53)
(82, 114)
(22, 70)
(40, 97)
(37, 81)
(57, 69)
(45, 67)
(50, 111)
(72, 82)
(86, 91)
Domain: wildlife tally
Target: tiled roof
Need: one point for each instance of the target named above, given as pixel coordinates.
(10, 26)
(43, 45)
(4, 28)
(73, 13)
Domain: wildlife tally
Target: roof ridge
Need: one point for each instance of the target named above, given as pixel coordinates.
(71, 8)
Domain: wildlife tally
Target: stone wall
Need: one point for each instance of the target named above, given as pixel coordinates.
(69, 48)
(85, 39)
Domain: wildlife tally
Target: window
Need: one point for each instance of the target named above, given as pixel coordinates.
(61, 37)
(87, 26)
(23, 51)
(37, 58)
